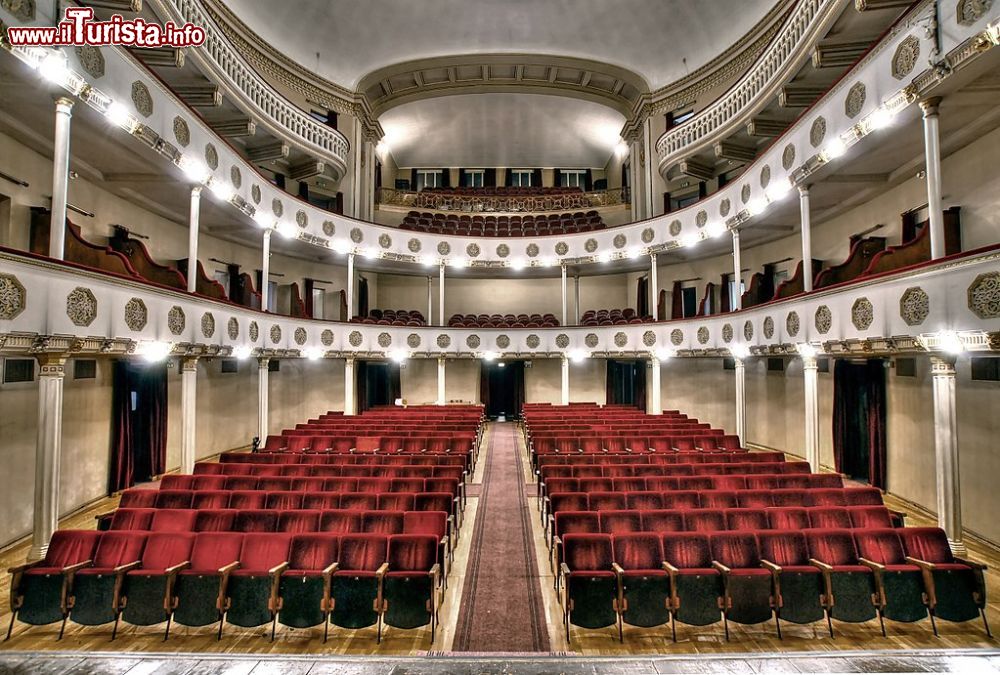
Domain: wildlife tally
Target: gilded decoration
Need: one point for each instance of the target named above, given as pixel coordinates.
(301, 218)
(817, 132)
(701, 218)
(233, 328)
(254, 331)
(765, 176)
(905, 58)
(473, 341)
(984, 296)
(329, 228)
(914, 306)
(236, 177)
(443, 341)
(136, 314)
(275, 334)
(300, 336)
(675, 228)
(971, 11)
(788, 157)
(591, 340)
(792, 324)
(414, 245)
(621, 339)
(326, 337)
(255, 194)
(703, 335)
(277, 208)
(727, 333)
(862, 314)
(590, 245)
(23, 10)
(532, 250)
(181, 132)
(81, 306)
(503, 250)
(13, 297)
(473, 250)
(748, 330)
(649, 338)
(176, 321)
(142, 99)
(91, 60)
(355, 338)
(357, 236)
(619, 241)
(745, 193)
(444, 248)
(503, 341)
(677, 337)
(211, 157)
(533, 341)
(208, 324)
(385, 241)
(823, 319)
(725, 206)
(855, 100)
(562, 248)
(648, 235)
(384, 340)
(562, 341)
(768, 328)
(412, 340)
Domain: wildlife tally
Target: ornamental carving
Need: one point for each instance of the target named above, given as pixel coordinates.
(236, 177)
(384, 340)
(562, 248)
(233, 328)
(768, 328)
(355, 338)
(176, 321)
(444, 248)
(748, 330)
(648, 235)
(23, 10)
(745, 193)
(984, 296)
(621, 339)
(255, 194)
(473, 341)
(725, 206)
(357, 236)
(329, 228)
(142, 99)
(275, 334)
(414, 245)
(81, 306)
(823, 319)
(590, 245)
(412, 340)
(300, 336)
(677, 337)
(532, 250)
(533, 341)
(675, 228)
(727, 333)
(13, 297)
(207, 324)
(326, 337)
(301, 218)
(211, 157)
(862, 314)
(443, 341)
(181, 132)
(619, 241)
(254, 331)
(384, 240)
(855, 101)
(649, 338)
(701, 219)
(91, 60)
(277, 207)
(904, 60)
(136, 314)
(703, 335)
(792, 324)
(971, 11)
(765, 176)
(788, 157)
(562, 341)
(473, 250)
(914, 306)
(817, 132)
(503, 341)
(503, 250)
(591, 340)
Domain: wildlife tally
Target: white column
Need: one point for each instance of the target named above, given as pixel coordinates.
(565, 380)
(194, 221)
(48, 452)
(430, 301)
(579, 310)
(263, 407)
(932, 151)
(647, 173)
(442, 320)
(737, 300)
(350, 402)
(60, 178)
(806, 223)
(654, 291)
(189, 413)
(441, 381)
(809, 371)
(357, 188)
(741, 402)
(653, 404)
(565, 299)
(265, 270)
(350, 286)
(949, 493)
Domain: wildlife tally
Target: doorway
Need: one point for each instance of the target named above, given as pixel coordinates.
(377, 384)
(626, 383)
(139, 427)
(859, 420)
(501, 388)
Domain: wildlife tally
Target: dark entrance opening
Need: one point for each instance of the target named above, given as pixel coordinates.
(501, 388)
(139, 426)
(859, 420)
(626, 383)
(378, 384)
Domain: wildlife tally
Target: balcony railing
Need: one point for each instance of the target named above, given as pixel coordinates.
(466, 203)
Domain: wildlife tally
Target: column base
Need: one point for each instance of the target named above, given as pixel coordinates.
(958, 548)
(37, 552)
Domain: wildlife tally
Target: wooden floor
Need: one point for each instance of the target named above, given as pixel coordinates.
(690, 640)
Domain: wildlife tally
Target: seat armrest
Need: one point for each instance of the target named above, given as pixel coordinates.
(821, 565)
(974, 564)
(331, 569)
(73, 569)
(922, 564)
(277, 570)
(380, 572)
(723, 570)
(872, 565)
(670, 569)
(768, 565)
(170, 571)
(19, 569)
(122, 569)
(230, 568)
(564, 569)
(617, 569)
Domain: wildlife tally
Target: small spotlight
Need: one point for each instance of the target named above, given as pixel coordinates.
(577, 356)
(242, 352)
(779, 190)
(312, 353)
(222, 190)
(880, 119)
(634, 252)
(154, 352)
(836, 148)
(950, 342)
(370, 253)
(739, 351)
(690, 239)
(490, 356)
(715, 230)
(427, 261)
(194, 169)
(757, 206)
(398, 355)
(604, 257)
(262, 218)
(546, 262)
(517, 264)
(807, 351)
(501, 365)
(458, 262)
(662, 353)
(54, 69)
(287, 229)
(342, 247)
(119, 116)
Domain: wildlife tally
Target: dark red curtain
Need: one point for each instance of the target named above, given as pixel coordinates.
(725, 303)
(642, 296)
(484, 383)
(139, 423)
(677, 301)
(859, 420)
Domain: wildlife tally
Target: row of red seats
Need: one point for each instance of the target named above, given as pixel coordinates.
(393, 317)
(246, 580)
(329, 470)
(627, 458)
(693, 469)
(423, 459)
(321, 441)
(612, 317)
(309, 483)
(542, 445)
(503, 321)
(648, 580)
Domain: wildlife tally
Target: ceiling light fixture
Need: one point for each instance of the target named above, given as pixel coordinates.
(312, 353)
(54, 68)
(154, 352)
(950, 342)
(342, 247)
(242, 352)
(757, 206)
(222, 190)
(835, 149)
(577, 356)
(739, 351)
(398, 355)
(715, 230)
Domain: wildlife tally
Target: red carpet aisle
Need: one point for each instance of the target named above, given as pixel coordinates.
(502, 607)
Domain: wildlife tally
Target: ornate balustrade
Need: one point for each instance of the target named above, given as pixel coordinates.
(470, 203)
(44, 302)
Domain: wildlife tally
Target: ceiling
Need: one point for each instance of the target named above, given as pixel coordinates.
(502, 130)
(343, 40)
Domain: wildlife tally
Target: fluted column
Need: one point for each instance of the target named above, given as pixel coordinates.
(565, 298)
(565, 380)
(806, 225)
(576, 304)
(741, 401)
(350, 286)
(932, 152)
(263, 407)
(60, 178)
(350, 400)
(653, 288)
(194, 224)
(48, 452)
(265, 271)
(442, 396)
(653, 404)
(809, 372)
(737, 300)
(949, 488)
(189, 413)
(442, 321)
(430, 301)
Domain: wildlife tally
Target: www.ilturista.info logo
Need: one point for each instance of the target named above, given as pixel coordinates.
(79, 28)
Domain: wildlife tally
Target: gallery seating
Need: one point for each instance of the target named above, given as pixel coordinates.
(528, 225)
(393, 317)
(612, 317)
(503, 321)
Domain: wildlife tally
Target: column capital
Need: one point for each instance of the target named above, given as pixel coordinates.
(64, 102)
(736, 233)
(809, 363)
(653, 363)
(196, 191)
(350, 360)
(943, 365)
(189, 363)
(930, 106)
(52, 364)
(804, 190)
(263, 362)
(738, 363)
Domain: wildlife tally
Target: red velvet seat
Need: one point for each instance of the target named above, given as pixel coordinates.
(214, 520)
(798, 585)
(355, 584)
(644, 585)
(747, 587)
(296, 522)
(255, 520)
(173, 520)
(827, 517)
(247, 499)
(589, 581)
(340, 521)
(787, 518)
(132, 519)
